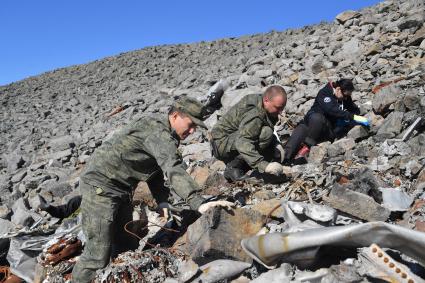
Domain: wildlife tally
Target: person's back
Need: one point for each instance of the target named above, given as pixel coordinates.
(229, 123)
(124, 160)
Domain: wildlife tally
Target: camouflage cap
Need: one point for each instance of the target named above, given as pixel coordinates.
(192, 108)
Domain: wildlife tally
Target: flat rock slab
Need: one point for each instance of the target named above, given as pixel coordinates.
(347, 15)
(357, 204)
(218, 234)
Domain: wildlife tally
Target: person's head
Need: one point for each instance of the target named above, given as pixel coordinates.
(274, 100)
(184, 116)
(343, 88)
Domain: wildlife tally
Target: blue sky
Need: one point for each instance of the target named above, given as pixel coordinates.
(39, 36)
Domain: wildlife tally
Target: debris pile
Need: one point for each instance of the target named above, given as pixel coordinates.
(354, 212)
(56, 262)
(154, 265)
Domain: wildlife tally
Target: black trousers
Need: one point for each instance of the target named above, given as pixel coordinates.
(314, 129)
(65, 210)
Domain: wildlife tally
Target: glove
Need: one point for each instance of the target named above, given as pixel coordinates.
(222, 203)
(361, 120)
(274, 168)
(168, 212)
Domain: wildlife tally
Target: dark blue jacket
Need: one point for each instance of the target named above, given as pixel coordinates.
(327, 104)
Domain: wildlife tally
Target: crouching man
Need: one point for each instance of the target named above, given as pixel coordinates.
(243, 138)
(145, 150)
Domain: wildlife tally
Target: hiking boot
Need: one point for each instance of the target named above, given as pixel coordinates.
(233, 174)
(216, 92)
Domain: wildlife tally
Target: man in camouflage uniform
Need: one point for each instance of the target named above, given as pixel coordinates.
(243, 138)
(145, 150)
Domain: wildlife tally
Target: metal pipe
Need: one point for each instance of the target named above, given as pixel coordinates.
(269, 249)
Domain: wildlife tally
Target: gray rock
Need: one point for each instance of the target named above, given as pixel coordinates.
(59, 155)
(19, 176)
(6, 226)
(417, 38)
(187, 270)
(4, 212)
(395, 148)
(282, 274)
(366, 183)
(34, 182)
(232, 97)
(61, 143)
(351, 49)
(5, 184)
(340, 147)
(318, 153)
(263, 73)
(20, 203)
(83, 159)
(34, 202)
(356, 204)
(358, 133)
(413, 167)
(380, 164)
(14, 161)
(384, 98)
(392, 125)
(412, 21)
(57, 189)
(199, 151)
(347, 15)
(422, 45)
(411, 101)
(211, 120)
(204, 238)
(22, 218)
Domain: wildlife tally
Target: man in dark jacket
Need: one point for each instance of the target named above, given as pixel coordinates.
(145, 150)
(243, 137)
(332, 115)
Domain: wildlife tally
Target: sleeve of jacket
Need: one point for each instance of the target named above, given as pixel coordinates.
(331, 107)
(164, 149)
(352, 107)
(249, 133)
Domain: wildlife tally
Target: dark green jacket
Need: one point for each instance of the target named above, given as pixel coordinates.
(240, 129)
(136, 153)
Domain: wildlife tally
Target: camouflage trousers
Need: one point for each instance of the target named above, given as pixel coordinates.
(103, 220)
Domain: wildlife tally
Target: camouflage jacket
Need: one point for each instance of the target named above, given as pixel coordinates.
(245, 119)
(136, 153)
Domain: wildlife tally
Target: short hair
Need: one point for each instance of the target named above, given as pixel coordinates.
(344, 84)
(274, 90)
(174, 109)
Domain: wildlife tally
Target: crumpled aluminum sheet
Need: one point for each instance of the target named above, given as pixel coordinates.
(221, 269)
(318, 212)
(378, 264)
(269, 249)
(24, 249)
(395, 199)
